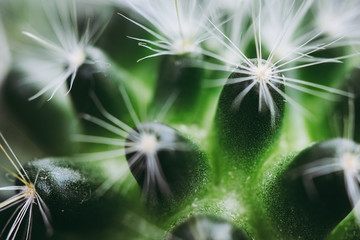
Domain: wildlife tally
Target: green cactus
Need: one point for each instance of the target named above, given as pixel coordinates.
(238, 121)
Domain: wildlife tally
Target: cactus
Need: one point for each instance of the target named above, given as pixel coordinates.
(179, 119)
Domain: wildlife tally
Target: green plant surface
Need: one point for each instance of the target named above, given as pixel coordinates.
(179, 119)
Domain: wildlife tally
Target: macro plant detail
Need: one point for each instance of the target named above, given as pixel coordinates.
(27, 196)
(179, 119)
(62, 56)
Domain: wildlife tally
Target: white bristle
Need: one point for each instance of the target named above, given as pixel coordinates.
(179, 27)
(57, 54)
(26, 198)
(274, 65)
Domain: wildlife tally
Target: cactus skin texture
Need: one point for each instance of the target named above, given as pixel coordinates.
(180, 119)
